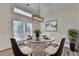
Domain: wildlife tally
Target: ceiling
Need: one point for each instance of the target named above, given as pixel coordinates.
(45, 8)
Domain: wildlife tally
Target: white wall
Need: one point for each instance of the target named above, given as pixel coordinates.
(6, 18)
(67, 19)
(78, 16)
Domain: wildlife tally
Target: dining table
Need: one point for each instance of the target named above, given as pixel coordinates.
(39, 45)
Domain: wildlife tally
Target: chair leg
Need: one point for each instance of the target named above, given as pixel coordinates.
(45, 54)
(31, 54)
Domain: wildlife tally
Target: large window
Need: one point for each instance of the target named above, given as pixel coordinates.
(20, 29)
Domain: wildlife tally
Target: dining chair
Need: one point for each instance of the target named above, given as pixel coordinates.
(16, 50)
(59, 51)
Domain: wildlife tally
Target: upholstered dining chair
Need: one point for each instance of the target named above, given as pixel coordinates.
(17, 51)
(58, 52)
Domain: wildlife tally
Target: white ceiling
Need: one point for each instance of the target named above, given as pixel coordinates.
(45, 8)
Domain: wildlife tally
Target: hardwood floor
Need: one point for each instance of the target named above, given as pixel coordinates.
(7, 52)
(66, 52)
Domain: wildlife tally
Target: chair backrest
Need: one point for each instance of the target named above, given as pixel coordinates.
(60, 49)
(15, 48)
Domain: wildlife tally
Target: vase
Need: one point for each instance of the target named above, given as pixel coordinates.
(37, 36)
(72, 46)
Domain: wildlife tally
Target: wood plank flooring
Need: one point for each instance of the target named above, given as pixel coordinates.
(66, 52)
(7, 52)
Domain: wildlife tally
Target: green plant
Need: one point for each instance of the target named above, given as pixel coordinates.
(37, 31)
(72, 33)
